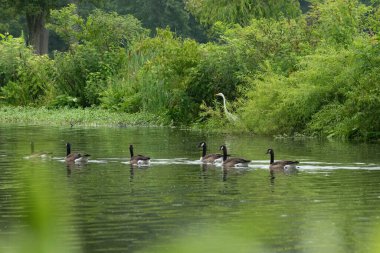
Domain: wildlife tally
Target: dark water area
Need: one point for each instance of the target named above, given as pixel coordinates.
(177, 204)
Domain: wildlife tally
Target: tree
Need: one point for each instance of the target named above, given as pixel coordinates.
(241, 11)
(105, 31)
(100, 46)
(36, 13)
(338, 21)
(161, 14)
(10, 22)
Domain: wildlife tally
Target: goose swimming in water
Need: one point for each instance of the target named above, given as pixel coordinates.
(210, 158)
(75, 157)
(138, 159)
(233, 161)
(281, 164)
(43, 155)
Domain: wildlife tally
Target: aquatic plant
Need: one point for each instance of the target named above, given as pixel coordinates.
(68, 117)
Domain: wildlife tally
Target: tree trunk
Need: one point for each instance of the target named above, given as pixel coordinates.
(38, 35)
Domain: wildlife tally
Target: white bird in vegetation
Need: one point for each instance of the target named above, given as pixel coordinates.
(230, 116)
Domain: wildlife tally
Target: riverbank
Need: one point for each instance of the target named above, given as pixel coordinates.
(75, 116)
(101, 117)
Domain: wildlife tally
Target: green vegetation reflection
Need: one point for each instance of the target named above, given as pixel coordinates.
(40, 206)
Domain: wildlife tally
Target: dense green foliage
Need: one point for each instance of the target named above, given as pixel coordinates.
(161, 14)
(333, 92)
(282, 72)
(241, 12)
(25, 78)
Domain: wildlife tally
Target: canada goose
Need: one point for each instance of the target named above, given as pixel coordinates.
(229, 115)
(33, 154)
(233, 161)
(75, 157)
(210, 158)
(280, 165)
(138, 159)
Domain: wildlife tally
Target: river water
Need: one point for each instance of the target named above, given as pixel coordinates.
(330, 204)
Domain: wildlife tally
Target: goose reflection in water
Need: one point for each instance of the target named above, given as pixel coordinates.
(286, 172)
(225, 172)
(131, 173)
(70, 167)
(232, 173)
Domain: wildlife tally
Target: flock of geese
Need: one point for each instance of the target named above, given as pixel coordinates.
(223, 159)
(242, 162)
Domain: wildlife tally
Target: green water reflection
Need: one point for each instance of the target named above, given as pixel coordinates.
(178, 205)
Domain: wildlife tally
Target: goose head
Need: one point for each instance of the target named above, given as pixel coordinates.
(269, 151)
(202, 144)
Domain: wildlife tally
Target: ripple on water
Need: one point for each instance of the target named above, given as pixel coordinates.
(333, 200)
(254, 164)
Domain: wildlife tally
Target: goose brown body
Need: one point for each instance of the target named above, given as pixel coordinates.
(75, 157)
(138, 159)
(281, 164)
(210, 158)
(233, 161)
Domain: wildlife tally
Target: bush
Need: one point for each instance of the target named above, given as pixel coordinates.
(97, 54)
(27, 78)
(334, 93)
(338, 22)
(73, 70)
(121, 95)
(356, 113)
(163, 77)
(13, 52)
(84, 72)
(217, 71)
(278, 43)
(266, 48)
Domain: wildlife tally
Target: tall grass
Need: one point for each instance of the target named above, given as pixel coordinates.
(83, 117)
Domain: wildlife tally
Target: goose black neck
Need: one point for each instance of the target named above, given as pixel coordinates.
(224, 153)
(68, 149)
(271, 157)
(131, 150)
(204, 150)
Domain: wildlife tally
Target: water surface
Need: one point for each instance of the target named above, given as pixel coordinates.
(331, 204)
